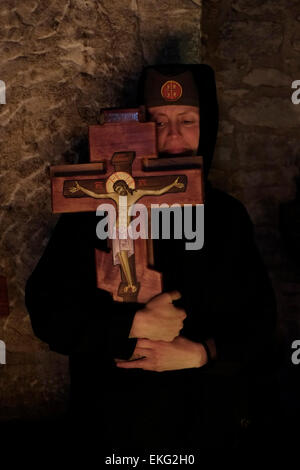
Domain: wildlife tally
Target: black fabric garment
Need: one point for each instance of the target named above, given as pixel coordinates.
(227, 296)
(225, 292)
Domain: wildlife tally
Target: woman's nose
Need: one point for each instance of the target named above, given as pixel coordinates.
(174, 128)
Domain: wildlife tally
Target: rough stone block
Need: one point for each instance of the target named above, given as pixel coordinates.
(249, 38)
(256, 7)
(268, 77)
(265, 148)
(268, 112)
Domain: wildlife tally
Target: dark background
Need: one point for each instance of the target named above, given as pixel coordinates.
(62, 62)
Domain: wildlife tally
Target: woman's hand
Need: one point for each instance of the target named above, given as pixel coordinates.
(160, 320)
(159, 356)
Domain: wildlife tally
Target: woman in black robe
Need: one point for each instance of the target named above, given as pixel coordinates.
(225, 292)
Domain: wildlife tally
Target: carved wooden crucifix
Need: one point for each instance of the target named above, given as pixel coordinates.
(129, 170)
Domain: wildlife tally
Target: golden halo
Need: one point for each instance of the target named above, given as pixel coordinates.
(119, 175)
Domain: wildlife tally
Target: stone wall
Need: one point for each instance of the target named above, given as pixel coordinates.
(62, 61)
(254, 48)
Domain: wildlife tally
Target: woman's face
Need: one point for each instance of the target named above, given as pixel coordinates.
(178, 128)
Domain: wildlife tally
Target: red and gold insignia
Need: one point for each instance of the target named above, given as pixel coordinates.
(171, 90)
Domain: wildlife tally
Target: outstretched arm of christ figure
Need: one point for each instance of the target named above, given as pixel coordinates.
(163, 190)
(90, 193)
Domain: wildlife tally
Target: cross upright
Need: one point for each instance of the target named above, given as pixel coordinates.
(124, 162)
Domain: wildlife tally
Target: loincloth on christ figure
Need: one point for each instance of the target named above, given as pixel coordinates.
(122, 242)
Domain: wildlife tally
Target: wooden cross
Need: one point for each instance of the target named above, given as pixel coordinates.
(126, 152)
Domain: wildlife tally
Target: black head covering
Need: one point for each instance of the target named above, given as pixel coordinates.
(178, 89)
(204, 79)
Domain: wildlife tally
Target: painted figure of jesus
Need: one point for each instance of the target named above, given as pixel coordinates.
(123, 245)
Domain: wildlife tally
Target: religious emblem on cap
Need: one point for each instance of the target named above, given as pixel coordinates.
(171, 90)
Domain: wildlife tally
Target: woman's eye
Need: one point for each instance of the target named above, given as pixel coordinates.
(160, 123)
(188, 122)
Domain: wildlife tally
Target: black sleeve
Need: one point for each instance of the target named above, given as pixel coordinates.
(231, 300)
(245, 328)
(66, 308)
